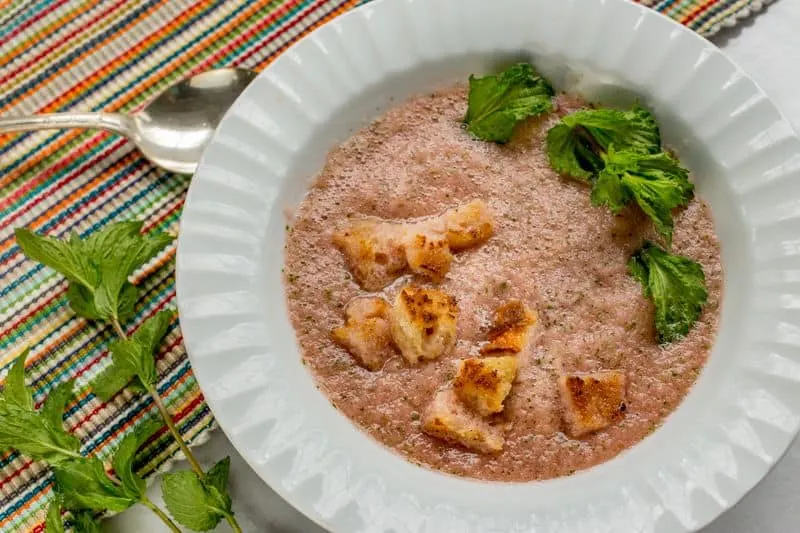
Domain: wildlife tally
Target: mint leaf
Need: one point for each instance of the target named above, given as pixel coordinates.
(31, 434)
(497, 103)
(54, 523)
(123, 244)
(110, 381)
(216, 482)
(84, 522)
(101, 245)
(217, 476)
(136, 352)
(570, 154)
(84, 484)
(66, 257)
(98, 267)
(608, 190)
(576, 144)
(118, 251)
(639, 271)
(194, 503)
(126, 302)
(656, 182)
(53, 408)
(634, 130)
(675, 284)
(14, 390)
(81, 300)
(133, 485)
(37, 434)
(133, 357)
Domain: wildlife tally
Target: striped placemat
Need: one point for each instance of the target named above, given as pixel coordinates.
(59, 55)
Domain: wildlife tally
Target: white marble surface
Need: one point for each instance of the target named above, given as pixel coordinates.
(768, 48)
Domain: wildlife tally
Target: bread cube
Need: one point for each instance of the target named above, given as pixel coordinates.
(366, 334)
(427, 251)
(510, 329)
(423, 323)
(447, 419)
(592, 401)
(374, 251)
(483, 383)
(468, 225)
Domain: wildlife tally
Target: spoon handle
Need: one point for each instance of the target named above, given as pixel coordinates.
(115, 122)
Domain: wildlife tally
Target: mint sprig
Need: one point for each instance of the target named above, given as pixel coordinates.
(98, 269)
(619, 153)
(82, 483)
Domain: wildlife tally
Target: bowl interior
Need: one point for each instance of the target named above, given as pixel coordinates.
(602, 87)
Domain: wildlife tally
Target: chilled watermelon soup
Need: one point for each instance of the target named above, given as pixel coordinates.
(538, 288)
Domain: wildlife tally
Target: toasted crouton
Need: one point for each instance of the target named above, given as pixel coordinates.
(378, 251)
(468, 225)
(447, 419)
(423, 323)
(592, 401)
(509, 332)
(374, 251)
(366, 334)
(367, 307)
(427, 251)
(483, 384)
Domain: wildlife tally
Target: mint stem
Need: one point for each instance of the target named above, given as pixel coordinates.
(118, 328)
(234, 524)
(162, 409)
(176, 434)
(161, 514)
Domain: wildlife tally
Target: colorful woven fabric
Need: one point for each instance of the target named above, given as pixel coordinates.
(60, 55)
(707, 17)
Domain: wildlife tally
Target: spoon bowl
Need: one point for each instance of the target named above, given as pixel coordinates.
(172, 130)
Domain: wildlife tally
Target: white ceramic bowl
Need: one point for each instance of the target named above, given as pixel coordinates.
(733, 426)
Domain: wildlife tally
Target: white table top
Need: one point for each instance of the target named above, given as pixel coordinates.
(768, 48)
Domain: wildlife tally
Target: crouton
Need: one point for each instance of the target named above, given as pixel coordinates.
(366, 334)
(367, 307)
(379, 251)
(468, 225)
(374, 251)
(509, 331)
(592, 401)
(447, 419)
(427, 251)
(423, 323)
(483, 384)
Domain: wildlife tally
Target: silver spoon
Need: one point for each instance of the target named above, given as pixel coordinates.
(172, 130)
